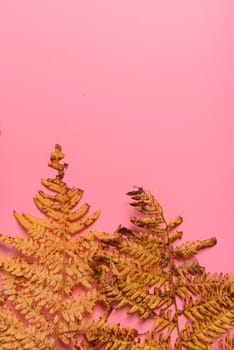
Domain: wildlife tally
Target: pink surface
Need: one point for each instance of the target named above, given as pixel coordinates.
(137, 93)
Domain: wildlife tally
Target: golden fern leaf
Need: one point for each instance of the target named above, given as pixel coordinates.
(143, 270)
(39, 283)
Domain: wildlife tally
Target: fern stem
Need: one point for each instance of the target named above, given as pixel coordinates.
(168, 244)
(63, 286)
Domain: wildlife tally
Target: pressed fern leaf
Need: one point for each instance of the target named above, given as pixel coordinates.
(37, 302)
(157, 280)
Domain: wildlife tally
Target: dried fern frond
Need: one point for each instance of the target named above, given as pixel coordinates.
(157, 280)
(37, 298)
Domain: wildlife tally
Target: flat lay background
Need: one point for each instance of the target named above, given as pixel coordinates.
(138, 93)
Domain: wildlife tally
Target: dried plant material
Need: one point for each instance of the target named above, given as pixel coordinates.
(145, 271)
(50, 289)
(37, 302)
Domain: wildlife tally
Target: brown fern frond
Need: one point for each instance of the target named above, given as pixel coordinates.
(38, 285)
(145, 272)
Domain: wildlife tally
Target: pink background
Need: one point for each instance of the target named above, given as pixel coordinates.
(137, 93)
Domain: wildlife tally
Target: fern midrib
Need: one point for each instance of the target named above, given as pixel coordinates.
(168, 244)
(63, 226)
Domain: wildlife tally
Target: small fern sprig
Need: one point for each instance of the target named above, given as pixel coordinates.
(163, 282)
